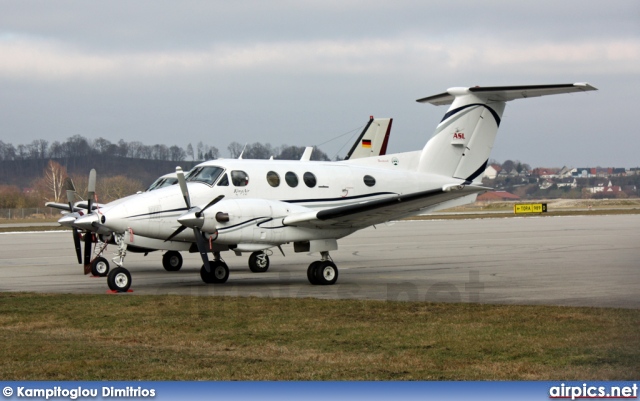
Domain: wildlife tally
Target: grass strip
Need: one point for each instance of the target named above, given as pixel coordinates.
(130, 337)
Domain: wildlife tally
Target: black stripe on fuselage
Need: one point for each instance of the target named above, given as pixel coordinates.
(158, 212)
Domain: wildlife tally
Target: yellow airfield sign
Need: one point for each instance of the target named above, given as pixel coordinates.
(530, 208)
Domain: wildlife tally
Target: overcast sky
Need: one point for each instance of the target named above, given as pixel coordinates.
(303, 72)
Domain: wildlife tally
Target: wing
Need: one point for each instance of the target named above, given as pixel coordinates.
(378, 211)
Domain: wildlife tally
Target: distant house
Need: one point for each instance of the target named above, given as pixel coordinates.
(567, 182)
(497, 196)
(491, 172)
(581, 172)
(546, 184)
(566, 172)
(545, 173)
(609, 189)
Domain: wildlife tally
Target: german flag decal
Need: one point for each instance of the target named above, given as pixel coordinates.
(366, 143)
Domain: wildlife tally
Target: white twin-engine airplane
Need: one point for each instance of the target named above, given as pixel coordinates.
(254, 205)
(372, 141)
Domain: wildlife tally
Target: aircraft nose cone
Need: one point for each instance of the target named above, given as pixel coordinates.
(190, 220)
(86, 222)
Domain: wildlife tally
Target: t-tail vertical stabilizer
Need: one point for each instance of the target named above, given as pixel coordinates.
(464, 138)
(373, 140)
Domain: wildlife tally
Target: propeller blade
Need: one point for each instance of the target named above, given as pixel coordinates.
(213, 202)
(183, 187)
(91, 189)
(76, 242)
(68, 184)
(87, 252)
(178, 231)
(71, 191)
(202, 248)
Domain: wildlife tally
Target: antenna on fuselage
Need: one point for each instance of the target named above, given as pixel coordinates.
(241, 153)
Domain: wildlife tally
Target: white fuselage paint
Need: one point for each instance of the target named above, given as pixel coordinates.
(256, 210)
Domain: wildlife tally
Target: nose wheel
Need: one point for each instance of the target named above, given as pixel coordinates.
(119, 279)
(100, 267)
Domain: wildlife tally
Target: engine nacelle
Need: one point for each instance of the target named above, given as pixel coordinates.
(240, 221)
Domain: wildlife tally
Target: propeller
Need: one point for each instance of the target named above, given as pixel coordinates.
(91, 191)
(71, 192)
(193, 219)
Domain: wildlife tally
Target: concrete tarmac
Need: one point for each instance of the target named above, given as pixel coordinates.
(577, 261)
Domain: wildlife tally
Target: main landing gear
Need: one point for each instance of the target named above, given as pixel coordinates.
(219, 273)
(259, 262)
(323, 272)
(172, 261)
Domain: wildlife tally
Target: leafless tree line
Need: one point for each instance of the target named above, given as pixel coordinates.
(79, 146)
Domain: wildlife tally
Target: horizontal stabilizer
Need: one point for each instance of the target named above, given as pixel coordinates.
(506, 93)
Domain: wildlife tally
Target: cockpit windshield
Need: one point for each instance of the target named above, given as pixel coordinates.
(205, 174)
(162, 182)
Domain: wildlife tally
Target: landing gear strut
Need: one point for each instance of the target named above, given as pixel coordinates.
(119, 279)
(99, 266)
(323, 272)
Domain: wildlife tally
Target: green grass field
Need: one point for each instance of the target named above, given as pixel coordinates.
(131, 337)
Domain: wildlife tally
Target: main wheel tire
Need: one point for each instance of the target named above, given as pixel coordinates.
(259, 262)
(100, 267)
(172, 261)
(119, 279)
(311, 272)
(219, 273)
(326, 273)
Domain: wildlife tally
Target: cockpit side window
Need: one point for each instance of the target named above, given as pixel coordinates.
(162, 182)
(224, 181)
(239, 178)
(205, 174)
(156, 184)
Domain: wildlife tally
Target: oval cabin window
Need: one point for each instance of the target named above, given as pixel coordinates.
(369, 181)
(273, 179)
(309, 179)
(291, 178)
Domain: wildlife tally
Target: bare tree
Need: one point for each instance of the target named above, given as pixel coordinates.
(51, 186)
(112, 188)
(235, 149)
(176, 154)
(190, 151)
